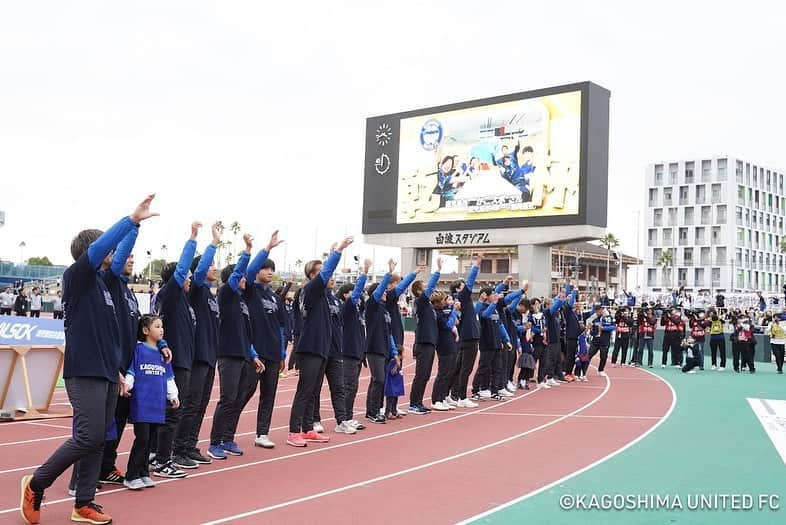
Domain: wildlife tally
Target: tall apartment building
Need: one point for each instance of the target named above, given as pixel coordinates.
(721, 219)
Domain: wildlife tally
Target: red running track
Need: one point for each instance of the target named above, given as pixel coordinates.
(439, 468)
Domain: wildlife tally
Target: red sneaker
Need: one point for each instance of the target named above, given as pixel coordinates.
(30, 506)
(312, 437)
(296, 439)
(570, 378)
(91, 513)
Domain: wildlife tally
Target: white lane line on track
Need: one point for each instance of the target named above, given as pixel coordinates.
(411, 469)
(584, 469)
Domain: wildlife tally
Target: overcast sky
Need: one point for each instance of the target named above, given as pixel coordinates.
(255, 111)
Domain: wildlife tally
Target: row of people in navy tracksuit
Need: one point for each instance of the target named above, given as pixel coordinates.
(101, 320)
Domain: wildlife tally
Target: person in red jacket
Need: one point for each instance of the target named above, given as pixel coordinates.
(744, 344)
(674, 325)
(646, 327)
(698, 330)
(624, 321)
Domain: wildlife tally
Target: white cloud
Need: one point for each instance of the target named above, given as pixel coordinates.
(255, 112)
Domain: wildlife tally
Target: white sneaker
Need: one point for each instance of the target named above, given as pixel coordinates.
(613, 365)
(721, 369)
(345, 428)
(440, 406)
(504, 393)
(451, 402)
(511, 386)
(713, 367)
(663, 366)
(552, 382)
(134, 484)
(543, 385)
(486, 394)
(467, 403)
(603, 374)
(264, 442)
(691, 371)
(318, 428)
(523, 384)
(623, 365)
(584, 378)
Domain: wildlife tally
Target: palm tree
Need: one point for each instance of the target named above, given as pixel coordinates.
(666, 260)
(609, 242)
(235, 228)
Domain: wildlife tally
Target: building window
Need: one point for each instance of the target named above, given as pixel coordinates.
(485, 266)
(716, 277)
(688, 215)
(700, 235)
(706, 214)
(716, 193)
(720, 214)
(683, 233)
(738, 215)
(701, 193)
(720, 255)
(657, 217)
(652, 237)
(698, 276)
(672, 216)
(689, 173)
(721, 169)
(668, 237)
(656, 254)
(741, 194)
(705, 257)
(503, 265)
(653, 196)
(738, 171)
(652, 277)
(667, 196)
(716, 234)
(659, 175)
(672, 174)
(706, 170)
(682, 276)
(683, 195)
(687, 256)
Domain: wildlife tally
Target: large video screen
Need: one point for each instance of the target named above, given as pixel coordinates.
(537, 158)
(509, 160)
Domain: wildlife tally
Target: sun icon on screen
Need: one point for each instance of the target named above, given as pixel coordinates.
(384, 134)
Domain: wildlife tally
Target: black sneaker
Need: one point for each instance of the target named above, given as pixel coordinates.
(376, 418)
(475, 397)
(497, 397)
(197, 457)
(115, 478)
(424, 407)
(168, 470)
(185, 462)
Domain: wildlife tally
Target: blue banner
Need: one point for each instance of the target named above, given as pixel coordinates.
(24, 331)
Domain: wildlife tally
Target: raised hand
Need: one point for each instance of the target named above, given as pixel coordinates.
(346, 242)
(216, 231)
(249, 240)
(525, 285)
(274, 241)
(142, 211)
(420, 269)
(195, 229)
(509, 279)
(391, 265)
(439, 264)
(478, 258)
(366, 265)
